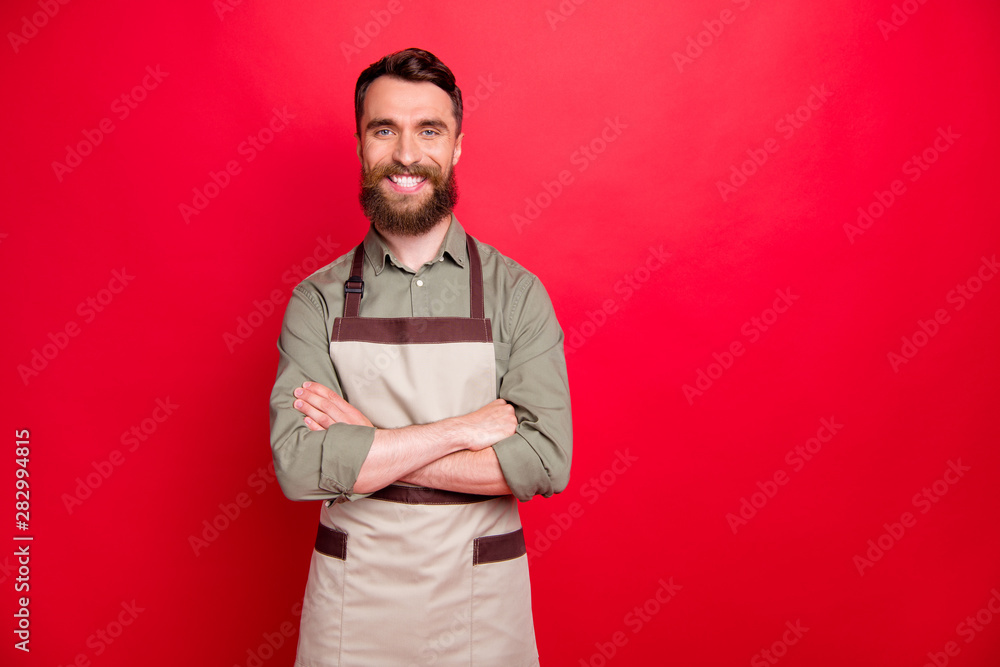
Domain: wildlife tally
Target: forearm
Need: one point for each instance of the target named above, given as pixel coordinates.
(463, 471)
(397, 453)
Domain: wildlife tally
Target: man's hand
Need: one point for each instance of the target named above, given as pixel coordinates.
(488, 425)
(324, 407)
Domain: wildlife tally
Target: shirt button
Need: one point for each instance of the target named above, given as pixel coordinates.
(420, 283)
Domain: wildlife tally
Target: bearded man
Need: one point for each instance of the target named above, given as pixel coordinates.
(421, 392)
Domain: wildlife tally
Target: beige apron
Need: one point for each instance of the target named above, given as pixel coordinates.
(412, 576)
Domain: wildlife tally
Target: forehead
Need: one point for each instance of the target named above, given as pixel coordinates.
(405, 101)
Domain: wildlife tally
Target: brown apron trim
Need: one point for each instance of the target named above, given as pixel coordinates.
(497, 548)
(404, 330)
(420, 495)
(354, 288)
(477, 302)
(331, 542)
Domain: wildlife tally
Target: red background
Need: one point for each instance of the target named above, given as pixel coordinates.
(546, 89)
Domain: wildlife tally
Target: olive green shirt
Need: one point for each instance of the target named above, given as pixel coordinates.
(528, 341)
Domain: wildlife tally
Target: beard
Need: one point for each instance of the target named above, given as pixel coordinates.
(403, 215)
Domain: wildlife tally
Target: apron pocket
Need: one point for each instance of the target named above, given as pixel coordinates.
(322, 608)
(503, 632)
(497, 548)
(331, 542)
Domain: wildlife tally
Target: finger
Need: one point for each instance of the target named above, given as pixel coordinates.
(314, 412)
(313, 426)
(338, 407)
(322, 403)
(326, 393)
(325, 399)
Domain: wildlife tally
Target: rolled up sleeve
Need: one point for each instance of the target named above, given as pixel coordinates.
(311, 465)
(536, 459)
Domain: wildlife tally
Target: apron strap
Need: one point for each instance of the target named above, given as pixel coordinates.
(354, 287)
(477, 302)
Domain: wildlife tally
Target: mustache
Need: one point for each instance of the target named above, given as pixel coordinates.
(392, 169)
(380, 171)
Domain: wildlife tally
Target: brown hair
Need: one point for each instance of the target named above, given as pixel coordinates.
(409, 65)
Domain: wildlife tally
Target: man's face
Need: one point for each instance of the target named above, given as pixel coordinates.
(408, 147)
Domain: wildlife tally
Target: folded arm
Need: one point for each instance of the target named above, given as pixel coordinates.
(346, 457)
(453, 454)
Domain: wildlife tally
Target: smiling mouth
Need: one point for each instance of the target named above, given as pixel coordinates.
(406, 181)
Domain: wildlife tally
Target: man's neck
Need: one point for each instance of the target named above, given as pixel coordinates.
(415, 251)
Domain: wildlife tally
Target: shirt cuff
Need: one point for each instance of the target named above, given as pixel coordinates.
(345, 448)
(522, 469)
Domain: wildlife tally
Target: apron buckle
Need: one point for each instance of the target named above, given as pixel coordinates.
(358, 289)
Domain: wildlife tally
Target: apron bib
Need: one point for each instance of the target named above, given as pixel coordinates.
(413, 576)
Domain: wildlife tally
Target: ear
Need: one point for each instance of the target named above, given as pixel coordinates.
(359, 147)
(457, 152)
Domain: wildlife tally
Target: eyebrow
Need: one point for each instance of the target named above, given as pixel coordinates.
(426, 122)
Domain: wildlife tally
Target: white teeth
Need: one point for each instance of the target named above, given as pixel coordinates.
(406, 181)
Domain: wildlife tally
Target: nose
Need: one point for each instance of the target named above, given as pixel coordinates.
(407, 150)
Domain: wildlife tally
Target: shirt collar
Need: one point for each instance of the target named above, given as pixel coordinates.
(453, 246)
